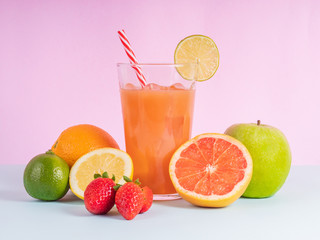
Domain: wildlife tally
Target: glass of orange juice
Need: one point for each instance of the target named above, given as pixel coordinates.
(157, 120)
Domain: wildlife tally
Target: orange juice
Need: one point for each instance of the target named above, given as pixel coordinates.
(156, 123)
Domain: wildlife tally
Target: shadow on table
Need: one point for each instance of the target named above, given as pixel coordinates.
(70, 198)
(80, 211)
(180, 203)
(183, 204)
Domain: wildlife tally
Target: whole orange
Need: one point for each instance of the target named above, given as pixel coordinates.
(78, 140)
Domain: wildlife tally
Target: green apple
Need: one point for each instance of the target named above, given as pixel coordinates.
(270, 154)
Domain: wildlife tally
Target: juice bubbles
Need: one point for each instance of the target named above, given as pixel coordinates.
(157, 120)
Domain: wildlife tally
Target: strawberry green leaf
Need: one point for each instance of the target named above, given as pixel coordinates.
(127, 179)
(105, 175)
(116, 187)
(137, 181)
(96, 175)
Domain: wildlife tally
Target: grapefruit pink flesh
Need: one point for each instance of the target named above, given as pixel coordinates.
(211, 166)
(205, 168)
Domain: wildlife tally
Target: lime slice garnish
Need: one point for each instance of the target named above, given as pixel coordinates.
(197, 49)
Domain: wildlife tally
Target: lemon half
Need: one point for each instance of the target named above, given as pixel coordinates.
(110, 160)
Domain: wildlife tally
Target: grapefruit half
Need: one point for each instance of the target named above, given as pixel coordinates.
(211, 170)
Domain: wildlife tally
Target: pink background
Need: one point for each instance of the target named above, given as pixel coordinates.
(57, 66)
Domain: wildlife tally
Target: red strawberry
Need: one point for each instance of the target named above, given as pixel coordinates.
(148, 198)
(129, 200)
(99, 195)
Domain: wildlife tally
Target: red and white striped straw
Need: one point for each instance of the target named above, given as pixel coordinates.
(132, 57)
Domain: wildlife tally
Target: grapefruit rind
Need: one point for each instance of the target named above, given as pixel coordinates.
(127, 169)
(212, 200)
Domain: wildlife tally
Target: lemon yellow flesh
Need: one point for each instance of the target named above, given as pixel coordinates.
(113, 161)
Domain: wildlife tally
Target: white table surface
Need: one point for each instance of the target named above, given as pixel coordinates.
(293, 213)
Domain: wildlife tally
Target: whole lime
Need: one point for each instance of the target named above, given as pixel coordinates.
(46, 177)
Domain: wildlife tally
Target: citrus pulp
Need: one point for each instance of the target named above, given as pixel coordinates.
(211, 170)
(197, 49)
(110, 160)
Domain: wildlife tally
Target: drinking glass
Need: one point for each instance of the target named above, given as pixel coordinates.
(157, 120)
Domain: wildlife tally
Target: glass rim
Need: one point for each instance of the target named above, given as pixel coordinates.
(157, 64)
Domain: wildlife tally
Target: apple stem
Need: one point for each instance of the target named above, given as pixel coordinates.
(258, 122)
